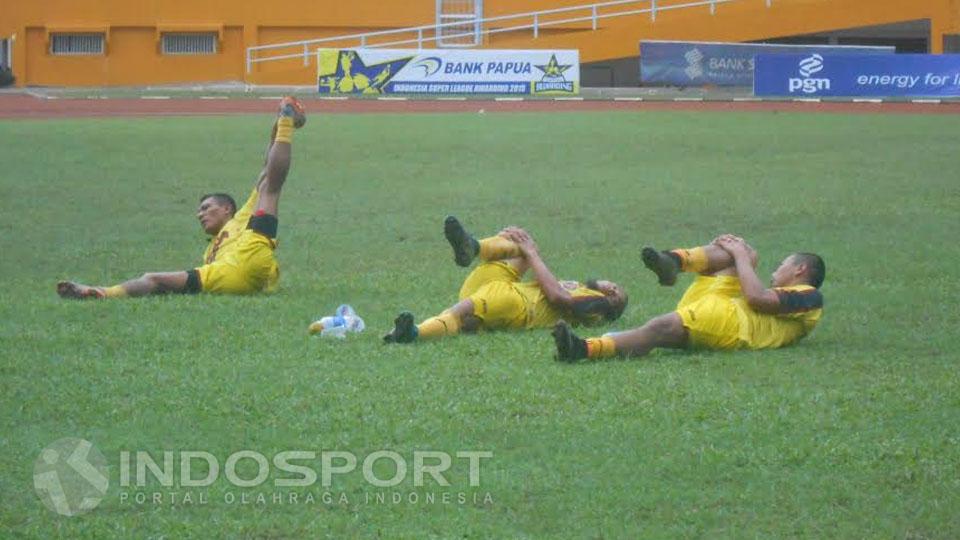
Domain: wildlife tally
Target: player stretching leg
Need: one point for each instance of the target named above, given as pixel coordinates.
(493, 297)
(726, 307)
(239, 259)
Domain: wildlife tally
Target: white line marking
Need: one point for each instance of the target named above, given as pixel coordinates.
(688, 99)
(747, 99)
(867, 100)
(508, 99)
(806, 100)
(929, 101)
(572, 98)
(271, 97)
(451, 99)
(335, 98)
(628, 99)
(391, 98)
(213, 97)
(154, 97)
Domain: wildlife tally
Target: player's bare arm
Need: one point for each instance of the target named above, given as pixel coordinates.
(759, 298)
(549, 284)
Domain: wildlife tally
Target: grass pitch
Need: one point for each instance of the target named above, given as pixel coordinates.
(853, 433)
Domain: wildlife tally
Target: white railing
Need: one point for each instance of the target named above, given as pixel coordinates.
(432, 32)
(468, 13)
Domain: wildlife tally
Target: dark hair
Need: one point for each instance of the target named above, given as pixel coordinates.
(223, 199)
(816, 268)
(616, 312)
(601, 305)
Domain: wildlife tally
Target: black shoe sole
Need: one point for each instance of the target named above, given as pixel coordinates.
(460, 241)
(665, 269)
(403, 329)
(563, 339)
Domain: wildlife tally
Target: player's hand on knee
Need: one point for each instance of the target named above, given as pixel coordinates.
(522, 238)
(725, 237)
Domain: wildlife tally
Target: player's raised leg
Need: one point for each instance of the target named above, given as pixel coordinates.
(708, 259)
(466, 247)
(666, 331)
(147, 284)
(279, 155)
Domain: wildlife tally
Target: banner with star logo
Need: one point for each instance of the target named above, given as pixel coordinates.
(448, 71)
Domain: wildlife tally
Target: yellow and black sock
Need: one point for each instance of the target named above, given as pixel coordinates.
(444, 324)
(497, 248)
(117, 291)
(601, 347)
(692, 260)
(285, 130)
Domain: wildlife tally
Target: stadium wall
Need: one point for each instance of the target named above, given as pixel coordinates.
(132, 35)
(133, 31)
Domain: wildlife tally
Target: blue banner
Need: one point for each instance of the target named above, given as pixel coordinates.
(685, 63)
(898, 75)
(460, 87)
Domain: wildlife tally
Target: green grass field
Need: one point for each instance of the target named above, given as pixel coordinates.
(854, 433)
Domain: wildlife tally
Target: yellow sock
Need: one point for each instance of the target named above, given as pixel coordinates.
(693, 260)
(497, 248)
(444, 324)
(601, 347)
(284, 130)
(117, 291)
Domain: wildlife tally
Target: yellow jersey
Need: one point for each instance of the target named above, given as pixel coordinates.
(225, 242)
(239, 260)
(801, 307)
(542, 314)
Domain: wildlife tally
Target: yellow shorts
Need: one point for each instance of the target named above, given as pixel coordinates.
(248, 268)
(496, 301)
(710, 314)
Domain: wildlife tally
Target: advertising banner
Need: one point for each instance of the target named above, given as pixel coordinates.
(899, 75)
(691, 63)
(448, 71)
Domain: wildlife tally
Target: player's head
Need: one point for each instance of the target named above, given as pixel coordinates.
(215, 210)
(800, 268)
(616, 298)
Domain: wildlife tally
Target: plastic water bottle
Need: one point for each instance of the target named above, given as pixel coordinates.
(353, 322)
(345, 320)
(335, 326)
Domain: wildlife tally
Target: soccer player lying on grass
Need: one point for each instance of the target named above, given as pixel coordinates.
(726, 307)
(239, 259)
(493, 297)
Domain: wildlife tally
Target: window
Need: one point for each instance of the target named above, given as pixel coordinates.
(76, 44)
(190, 43)
(6, 54)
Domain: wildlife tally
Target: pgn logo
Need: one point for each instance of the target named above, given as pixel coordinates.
(809, 66)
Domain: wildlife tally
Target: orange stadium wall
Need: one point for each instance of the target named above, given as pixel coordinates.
(741, 20)
(133, 32)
